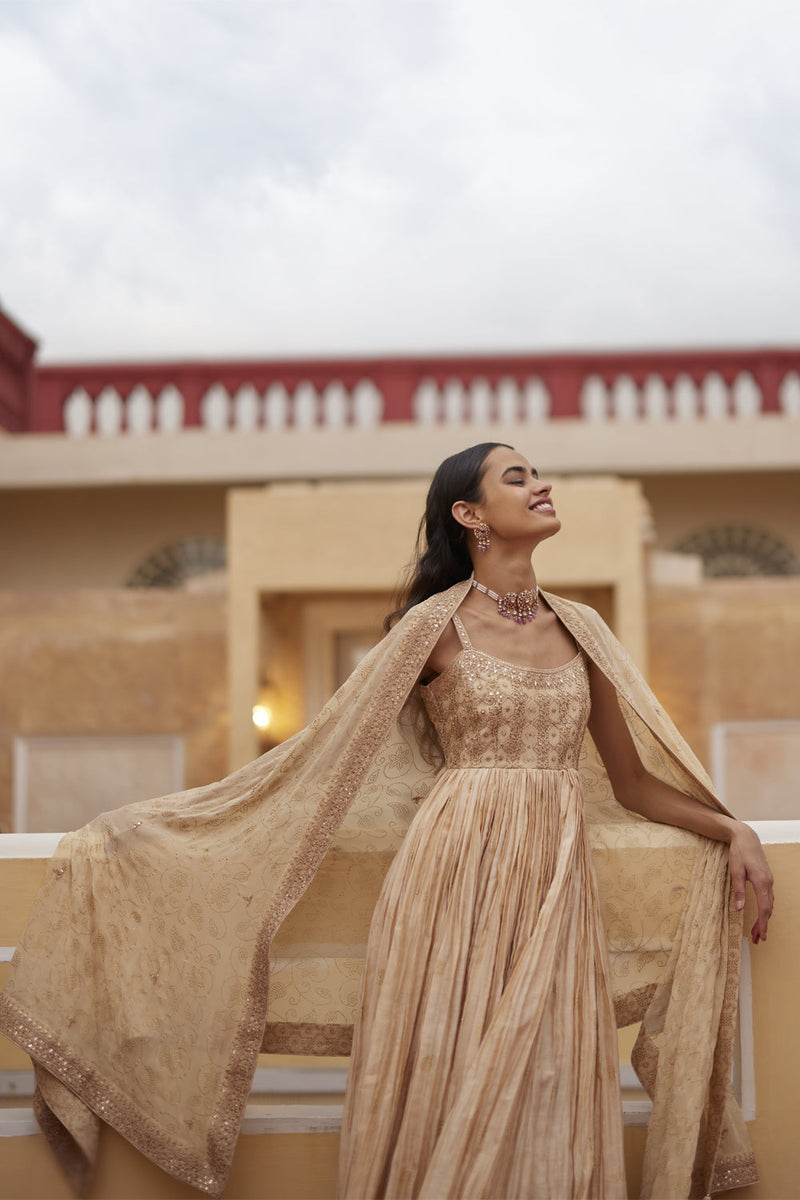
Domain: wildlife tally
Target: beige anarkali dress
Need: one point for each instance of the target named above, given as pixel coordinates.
(485, 1060)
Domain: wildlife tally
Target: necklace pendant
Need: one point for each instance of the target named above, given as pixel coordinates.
(507, 606)
(520, 607)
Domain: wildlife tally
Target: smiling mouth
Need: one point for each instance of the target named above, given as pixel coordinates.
(544, 506)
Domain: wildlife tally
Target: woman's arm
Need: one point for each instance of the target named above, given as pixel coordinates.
(636, 789)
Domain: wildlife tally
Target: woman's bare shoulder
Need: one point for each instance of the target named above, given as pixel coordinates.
(443, 653)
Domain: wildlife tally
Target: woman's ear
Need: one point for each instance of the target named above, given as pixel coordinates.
(465, 514)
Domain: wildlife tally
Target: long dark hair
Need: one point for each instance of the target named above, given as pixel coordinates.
(442, 558)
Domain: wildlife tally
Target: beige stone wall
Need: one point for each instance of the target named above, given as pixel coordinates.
(118, 662)
(727, 650)
(96, 537)
(684, 504)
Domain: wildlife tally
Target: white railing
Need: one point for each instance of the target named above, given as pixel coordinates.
(139, 411)
(455, 402)
(452, 390)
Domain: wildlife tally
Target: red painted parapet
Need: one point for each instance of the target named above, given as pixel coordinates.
(16, 364)
(454, 389)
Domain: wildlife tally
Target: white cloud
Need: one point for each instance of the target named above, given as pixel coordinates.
(225, 177)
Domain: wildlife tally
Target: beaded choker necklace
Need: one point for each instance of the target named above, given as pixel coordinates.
(516, 606)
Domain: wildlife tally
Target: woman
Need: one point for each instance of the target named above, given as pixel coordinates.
(141, 986)
(485, 1062)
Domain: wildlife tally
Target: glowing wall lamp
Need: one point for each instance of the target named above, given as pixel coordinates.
(265, 713)
(262, 717)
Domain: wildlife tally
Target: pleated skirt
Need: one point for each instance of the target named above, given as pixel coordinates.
(485, 1061)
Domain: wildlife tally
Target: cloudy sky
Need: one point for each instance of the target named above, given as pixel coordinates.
(261, 177)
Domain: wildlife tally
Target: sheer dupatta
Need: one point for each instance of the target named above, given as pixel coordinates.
(142, 985)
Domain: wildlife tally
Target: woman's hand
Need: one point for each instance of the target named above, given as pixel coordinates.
(748, 862)
(641, 792)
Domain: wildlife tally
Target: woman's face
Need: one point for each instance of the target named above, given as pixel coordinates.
(516, 503)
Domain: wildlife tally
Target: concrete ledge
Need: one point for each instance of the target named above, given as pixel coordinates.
(44, 460)
(28, 845)
(43, 845)
(258, 1119)
(282, 1081)
(18, 1122)
(292, 1118)
(280, 1118)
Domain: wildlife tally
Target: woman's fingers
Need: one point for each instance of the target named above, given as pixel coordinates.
(738, 878)
(765, 901)
(748, 862)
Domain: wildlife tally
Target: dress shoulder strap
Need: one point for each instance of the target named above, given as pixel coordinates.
(463, 636)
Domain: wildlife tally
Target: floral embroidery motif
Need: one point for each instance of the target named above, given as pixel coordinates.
(528, 717)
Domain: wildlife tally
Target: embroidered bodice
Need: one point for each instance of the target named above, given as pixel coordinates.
(492, 713)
